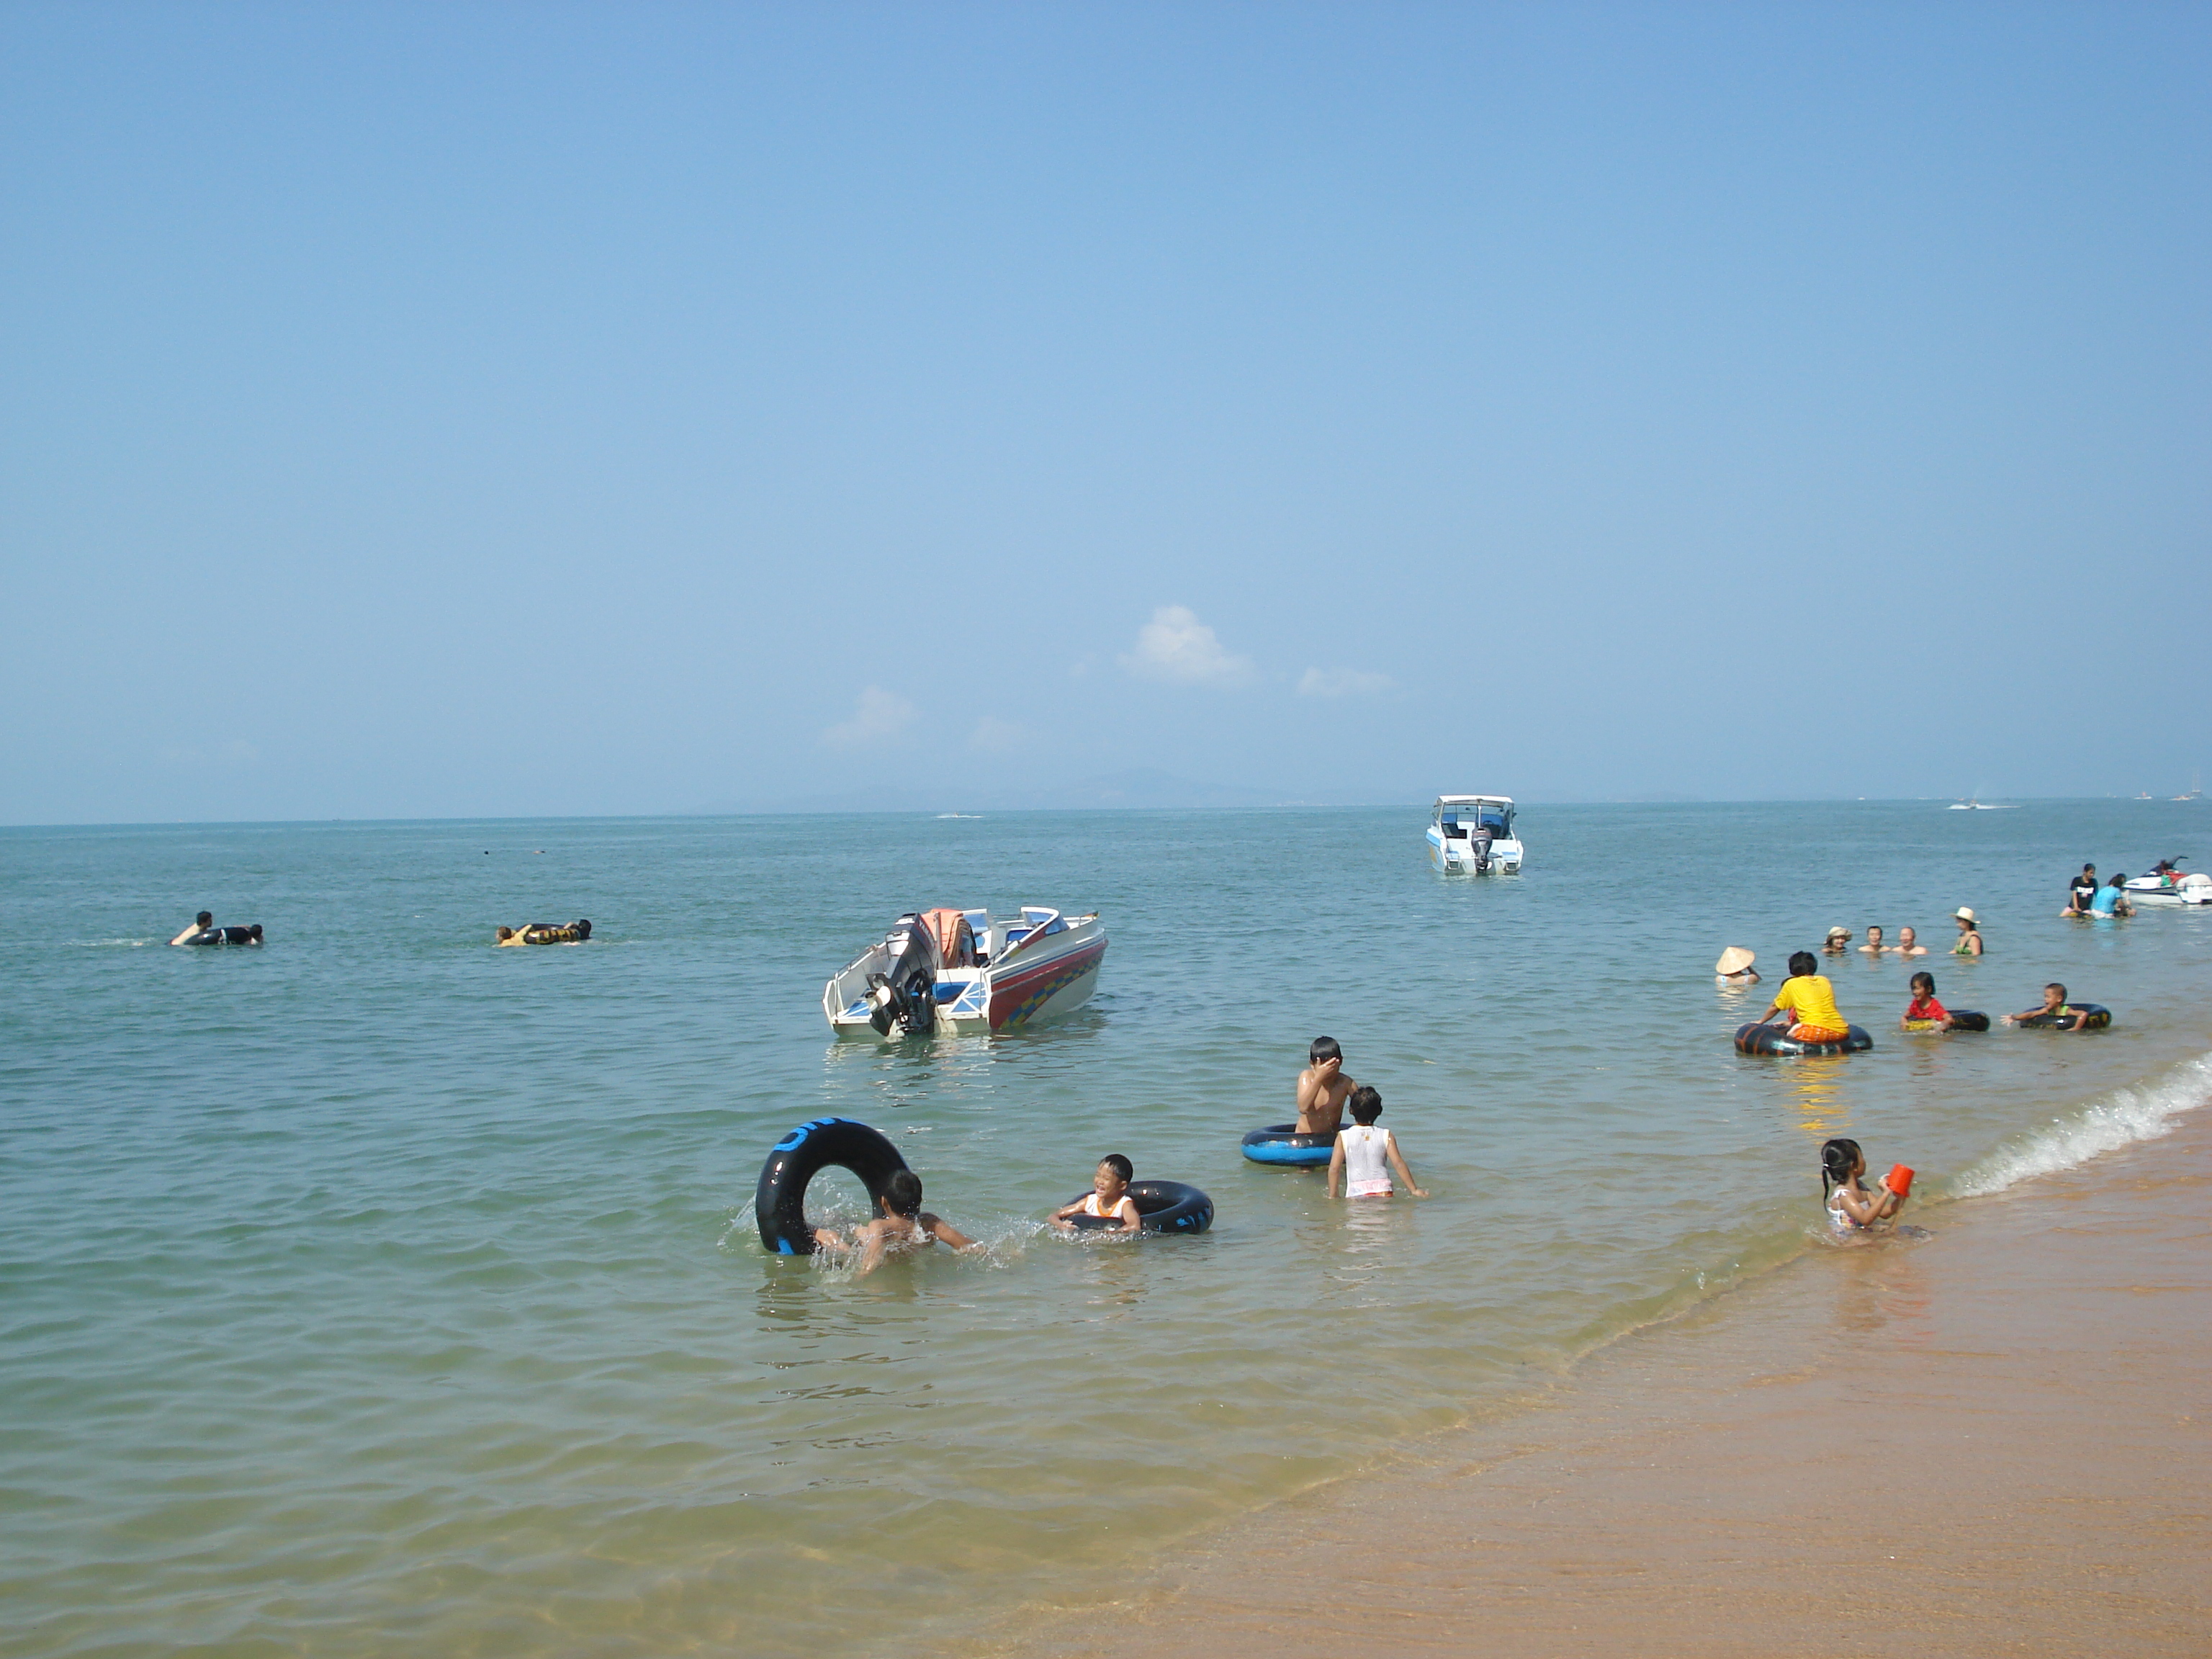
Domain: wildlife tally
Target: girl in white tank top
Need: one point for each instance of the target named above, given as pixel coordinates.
(1366, 1154)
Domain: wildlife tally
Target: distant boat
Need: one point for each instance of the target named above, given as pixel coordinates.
(2196, 789)
(1974, 804)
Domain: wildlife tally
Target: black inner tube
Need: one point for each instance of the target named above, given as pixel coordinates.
(779, 1200)
(1162, 1206)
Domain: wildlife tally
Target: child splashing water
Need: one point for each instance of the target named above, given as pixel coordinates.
(1851, 1208)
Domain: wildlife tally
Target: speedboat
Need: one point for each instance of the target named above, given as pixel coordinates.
(959, 971)
(2168, 885)
(1473, 834)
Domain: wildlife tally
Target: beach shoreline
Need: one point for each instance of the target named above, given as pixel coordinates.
(1994, 1438)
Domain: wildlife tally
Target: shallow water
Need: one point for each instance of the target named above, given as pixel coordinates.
(379, 1286)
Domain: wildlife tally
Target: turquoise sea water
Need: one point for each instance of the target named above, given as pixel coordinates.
(379, 1287)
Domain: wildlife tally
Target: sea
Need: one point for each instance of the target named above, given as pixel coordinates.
(378, 1290)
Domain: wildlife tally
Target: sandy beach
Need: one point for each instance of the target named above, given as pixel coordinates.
(1994, 1439)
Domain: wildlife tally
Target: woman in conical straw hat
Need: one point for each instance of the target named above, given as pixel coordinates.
(1735, 965)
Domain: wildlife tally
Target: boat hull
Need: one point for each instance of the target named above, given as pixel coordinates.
(1450, 857)
(1036, 984)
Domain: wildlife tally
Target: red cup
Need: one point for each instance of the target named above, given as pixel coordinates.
(1899, 1180)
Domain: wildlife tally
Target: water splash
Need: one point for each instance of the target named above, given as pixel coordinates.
(2121, 1119)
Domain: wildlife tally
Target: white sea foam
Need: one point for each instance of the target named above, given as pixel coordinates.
(2121, 1119)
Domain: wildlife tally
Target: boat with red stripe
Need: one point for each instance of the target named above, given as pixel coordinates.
(962, 971)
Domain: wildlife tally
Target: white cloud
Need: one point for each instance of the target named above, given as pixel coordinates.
(878, 716)
(1343, 683)
(996, 736)
(1176, 646)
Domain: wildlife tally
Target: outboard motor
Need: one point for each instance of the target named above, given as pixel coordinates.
(905, 993)
(1478, 846)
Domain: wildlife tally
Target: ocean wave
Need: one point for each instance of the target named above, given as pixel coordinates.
(2121, 1119)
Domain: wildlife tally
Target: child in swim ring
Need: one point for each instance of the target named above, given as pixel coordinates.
(1852, 1208)
(1108, 1200)
(1358, 1157)
(1923, 1012)
(2054, 1011)
(904, 1227)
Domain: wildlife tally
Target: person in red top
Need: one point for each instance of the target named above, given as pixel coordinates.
(1925, 1013)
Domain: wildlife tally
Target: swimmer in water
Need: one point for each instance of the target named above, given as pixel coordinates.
(2054, 1011)
(1852, 1208)
(1735, 967)
(1108, 1200)
(1323, 1089)
(1357, 1163)
(903, 1228)
(1970, 933)
(1873, 946)
(202, 923)
(1908, 943)
(1839, 941)
(1923, 1012)
(1809, 999)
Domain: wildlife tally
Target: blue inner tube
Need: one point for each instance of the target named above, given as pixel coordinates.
(2093, 1017)
(1162, 1206)
(1281, 1143)
(780, 1200)
(1776, 1040)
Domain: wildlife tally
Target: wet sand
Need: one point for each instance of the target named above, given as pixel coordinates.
(1996, 1439)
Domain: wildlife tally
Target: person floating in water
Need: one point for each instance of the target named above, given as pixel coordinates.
(1107, 1203)
(546, 932)
(2083, 891)
(1873, 946)
(1924, 1012)
(1735, 967)
(204, 932)
(1362, 1152)
(903, 1228)
(2055, 1011)
(1839, 941)
(1852, 1208)
(1970, 933)
(1908, 943)
(1809, 999)
(1323, 1089)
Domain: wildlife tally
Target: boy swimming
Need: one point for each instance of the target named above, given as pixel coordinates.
(1107, 1202)
(1323, 1089)
(904, 1226)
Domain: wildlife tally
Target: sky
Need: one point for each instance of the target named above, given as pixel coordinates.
(515, 409)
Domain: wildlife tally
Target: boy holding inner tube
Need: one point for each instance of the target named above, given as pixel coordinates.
(904, 1225)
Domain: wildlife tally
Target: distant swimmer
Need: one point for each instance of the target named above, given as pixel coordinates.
(1908, 943)
(204, 932)
(1366, 1154)
(1107, 1203)
(1970, 933)
(1852, 1208)
(546, 932)
(1809, 999)
(1323, 1089)
(903, 1228)
(1734, 966)
(1873, 946)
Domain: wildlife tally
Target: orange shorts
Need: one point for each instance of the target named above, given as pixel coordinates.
(1816, 1034)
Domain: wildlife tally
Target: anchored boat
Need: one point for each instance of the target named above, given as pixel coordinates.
(959, 970)
(1473, 834)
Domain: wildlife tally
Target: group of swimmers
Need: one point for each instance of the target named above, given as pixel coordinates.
(1360, 1166)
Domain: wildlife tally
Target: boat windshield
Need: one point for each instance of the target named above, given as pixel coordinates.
(1495, 817)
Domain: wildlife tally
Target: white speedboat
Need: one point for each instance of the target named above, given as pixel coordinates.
(1473, 834)
(959, 970)
(2170, 886)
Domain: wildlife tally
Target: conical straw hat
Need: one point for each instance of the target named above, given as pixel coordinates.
(1734, 959)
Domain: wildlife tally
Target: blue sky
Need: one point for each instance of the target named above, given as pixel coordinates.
(447, 410)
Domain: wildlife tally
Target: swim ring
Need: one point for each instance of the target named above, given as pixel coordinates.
(2093, 1017)
(548, 932)
(1281, 1143)
(779, 1200)
(1162, 1206)
(1776, 1040)
(250, 935)
(1962, 1019)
